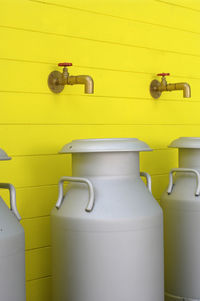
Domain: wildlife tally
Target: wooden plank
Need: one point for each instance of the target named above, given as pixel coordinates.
(118, 15)
(148, 60)
(34, 202)
(146, 11)
(159, 184)
(93, 110)
(39, 289)
(47, 170)
(158, 162)
(135, 37)
(35, 170)
(123, 84)
(38, 263)
(49, 139)
(37, 232)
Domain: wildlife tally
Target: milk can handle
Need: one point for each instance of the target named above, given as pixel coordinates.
(148, 179)
(13, 206)
(194, 171)
(91, 201)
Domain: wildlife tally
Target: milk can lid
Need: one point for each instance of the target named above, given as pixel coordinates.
(186, 142)
(105, 145)
(3, 155)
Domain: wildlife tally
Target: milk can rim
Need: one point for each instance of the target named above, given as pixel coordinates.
(104, 145)
(186, 142)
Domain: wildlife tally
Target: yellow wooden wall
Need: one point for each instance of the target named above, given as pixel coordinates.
(122, 44)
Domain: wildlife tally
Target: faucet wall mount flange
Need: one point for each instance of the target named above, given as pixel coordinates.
(156, 87)
(54, 82)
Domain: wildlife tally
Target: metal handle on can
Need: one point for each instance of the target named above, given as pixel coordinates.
(91, 201)
(148, 179)
(13, 206)
(194, 171)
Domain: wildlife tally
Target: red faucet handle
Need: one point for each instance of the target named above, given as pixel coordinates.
(163, 74)
(64, 64)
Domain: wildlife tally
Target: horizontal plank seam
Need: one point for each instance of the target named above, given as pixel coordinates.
(108, 97)
(93, 124)
(177, 5)
(116, 16)
(35, 186)
(30, 250)
(159, 174)
(102, 41)
(32, 279)
(97, 68)
(38, 248)
(101, 124)
(35, 217)
(35, 155)
(39, 278)
(59, 155)
(47, 155)
(38, 186)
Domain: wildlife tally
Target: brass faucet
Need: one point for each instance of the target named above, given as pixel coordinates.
(58, 80)
(156, 87)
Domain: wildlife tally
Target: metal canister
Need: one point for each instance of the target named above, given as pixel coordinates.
(181, 207)
(107, 229)
(12, 247)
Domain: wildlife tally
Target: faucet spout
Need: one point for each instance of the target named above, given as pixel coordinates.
(180, 86)
(85, 80)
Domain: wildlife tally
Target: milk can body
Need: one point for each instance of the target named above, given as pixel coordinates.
(12, 248)
(181, 207)
(111, 247)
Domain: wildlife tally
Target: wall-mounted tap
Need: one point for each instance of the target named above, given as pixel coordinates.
(156, 87)
(58, 80)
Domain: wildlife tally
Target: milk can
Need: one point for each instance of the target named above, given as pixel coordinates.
(181, 206)
(12, 256)
(107, 236)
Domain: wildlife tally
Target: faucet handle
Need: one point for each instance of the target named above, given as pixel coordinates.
(163, 74)
(64, 64)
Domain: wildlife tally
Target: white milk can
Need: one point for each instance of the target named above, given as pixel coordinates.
(107, 230)
(12, 248)
(181, 207)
